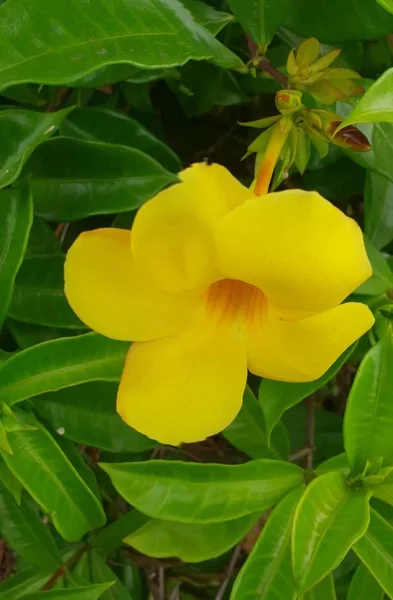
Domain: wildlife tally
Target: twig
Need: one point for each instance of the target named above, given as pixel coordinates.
(63, 568)
(231, 567)
(161, 583)
(310, 432)
(298, 454)
(258, 60)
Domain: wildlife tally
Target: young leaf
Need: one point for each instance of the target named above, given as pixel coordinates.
(260, 18)
(99, 35)
(364, 586)
(267, 572)
(91, 592)
(203, 493)
(47, 474)
(322, 591)
(329, 519)
(369, 412)
(72, 179)
(191, 542)
(16, 215)
(61, 363)
(375, 550)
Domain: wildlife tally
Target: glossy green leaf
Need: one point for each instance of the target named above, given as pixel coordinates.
(376, 104)
(61, 363)
(369, 411)
(183, 492)
(72, 179)
(39, 296)
(381, 280)
(339, 20)
(260, 18)
(375, 550)
(16, 214)
(22, 131)
(75, 409)
(329, 519)
(247, 431)
(24, 531)
(91, 592)
(99, 35)
(212, 19)
(378, 210)
(276, 396)
(267, 574)
(322, 591)
(335, 463)
(114, 127)
(100, 572)
(50, 478)
(364, 586)
(191, 542)
(387, 5)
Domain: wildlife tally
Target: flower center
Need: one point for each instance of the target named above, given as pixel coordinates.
(234, 299)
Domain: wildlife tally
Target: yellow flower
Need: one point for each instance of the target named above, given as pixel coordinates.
(212, 281)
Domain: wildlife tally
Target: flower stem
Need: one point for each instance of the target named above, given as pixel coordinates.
(278, 137)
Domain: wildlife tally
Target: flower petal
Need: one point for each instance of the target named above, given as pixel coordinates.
(301, 251)
(173, 233)
(110, 293)
(303, 350)
(187, 387)
(308, 52)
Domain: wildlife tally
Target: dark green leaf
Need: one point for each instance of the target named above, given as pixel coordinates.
(102, 573)
(375, 550)
(387, 5)
(369, 411)
(91, 592)
(42, 240)
(179, 491)
(328, 520)
(16, 214)
(9, 480)
(113, 127)
(364, 586)
(72, 179)
(22, 131)
(99, 34)
(322, 591)
(376, 104)
(111, 537)
(75, 409)
(61, 363)
(214, 20)
(47, 474)
(378, 210)
(28, 579)
(260, 18)
(27, 334)
(267, 572)
(381, 280)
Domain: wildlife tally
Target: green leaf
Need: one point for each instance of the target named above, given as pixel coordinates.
(49, 477)
(267, 574)
(322, 591)
(113, 127)
(380, 136)
(39, 296)
(276, 396)
(339, 20)
(24, 531)
(335, 463)
(75, 409)
(28, 579)
(111, 537)
(9, 480)
(191, 542)
(247, 431)
(99, 35)
(376, 104)
(207, 16)
(22, 131)
(328, 520)
(72, 179)
(364, 586)
(102, 573)
(387, 5)
(27, 334)
(378, 210)
(369, 411)
(260, 18)
(375, 550)
(381, 280)
(91, 592)
(42, 240)
(61, 363)
(16, 214)
(183, 492)
(384, 490)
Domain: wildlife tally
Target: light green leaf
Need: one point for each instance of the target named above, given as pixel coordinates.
(22, 131)
(369, 411)
(191, 542)
(378, 209)
(61, 363)
(335, 463)
(375, 550)
(72, 179)
(49, 477)
(99, 35)
(276, 396)
(16, 215)
(75, 409)
(267, 574)
(207, 16)
(25, 533)
(322, 591)
(364, 586)
(114, 127)
(376, 104)
(381, 280)
(260, 18)
(387, 5)
(91, 592)
(102, 573)
(183, 492)
(328, 520)
(384, 490)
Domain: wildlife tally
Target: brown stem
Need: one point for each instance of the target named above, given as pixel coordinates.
(298, 454)
(267, 66)
(310, 432)
(69, 563)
